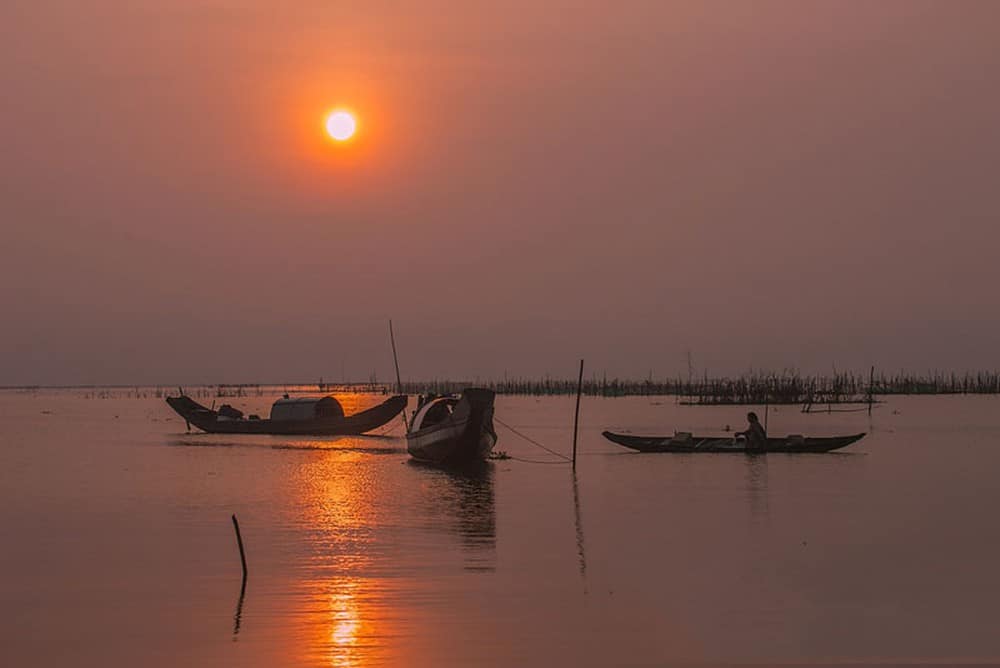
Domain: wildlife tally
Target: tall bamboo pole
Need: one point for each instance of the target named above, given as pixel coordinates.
(239, 541)
(576, 417)
(871, 390)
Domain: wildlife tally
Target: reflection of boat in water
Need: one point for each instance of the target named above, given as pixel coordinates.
(454, 429)
(461, 500)
(683, 442)
(307, 416)
(756, 487)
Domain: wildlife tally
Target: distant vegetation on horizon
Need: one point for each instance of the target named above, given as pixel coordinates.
(788, 387)
(756, 388)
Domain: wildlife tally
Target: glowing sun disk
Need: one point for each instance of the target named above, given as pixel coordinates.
(340, 125)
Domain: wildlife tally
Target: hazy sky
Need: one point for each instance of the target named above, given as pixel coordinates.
(768, 184)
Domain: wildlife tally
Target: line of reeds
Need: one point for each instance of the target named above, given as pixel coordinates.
(754, 388)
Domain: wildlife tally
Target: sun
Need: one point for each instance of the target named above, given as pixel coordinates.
(340, 125)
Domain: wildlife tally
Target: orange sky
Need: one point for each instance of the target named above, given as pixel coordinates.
(773, 184)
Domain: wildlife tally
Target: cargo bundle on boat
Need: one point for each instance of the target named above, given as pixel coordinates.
(305, 416)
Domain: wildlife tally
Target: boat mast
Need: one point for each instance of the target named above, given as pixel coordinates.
(399, 382)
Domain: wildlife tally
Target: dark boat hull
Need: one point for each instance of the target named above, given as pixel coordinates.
(718, 444)
(208, 420)
(466, 436)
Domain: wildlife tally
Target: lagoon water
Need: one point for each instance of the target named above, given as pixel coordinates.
(117, 549)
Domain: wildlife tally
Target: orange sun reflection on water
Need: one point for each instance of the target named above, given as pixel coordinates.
(346, 617)
(337, 496)
(359, 606)
(347, 625)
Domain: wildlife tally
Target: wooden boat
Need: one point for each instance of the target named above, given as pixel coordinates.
(301, 416)
(684, 442)
(453, 429)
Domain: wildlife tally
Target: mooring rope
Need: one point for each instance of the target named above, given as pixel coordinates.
(535, 461)
(533, 442)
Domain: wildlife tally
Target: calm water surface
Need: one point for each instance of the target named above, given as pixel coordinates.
(117, 547)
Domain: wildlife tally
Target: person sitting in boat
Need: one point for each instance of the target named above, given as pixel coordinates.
(755, 435)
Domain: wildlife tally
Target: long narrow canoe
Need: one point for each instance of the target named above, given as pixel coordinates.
(689, 443)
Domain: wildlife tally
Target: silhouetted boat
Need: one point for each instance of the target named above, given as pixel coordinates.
(315, 416)
(456, 429)
(683, 442)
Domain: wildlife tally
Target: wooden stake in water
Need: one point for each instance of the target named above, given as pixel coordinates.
(576, 417)
(871, 390)
(239, 541)
(399, 382)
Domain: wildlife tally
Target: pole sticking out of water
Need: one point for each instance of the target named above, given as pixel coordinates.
(239, 541)
(871, 390)
(576, 417)
(767, 406)
(399, 382)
